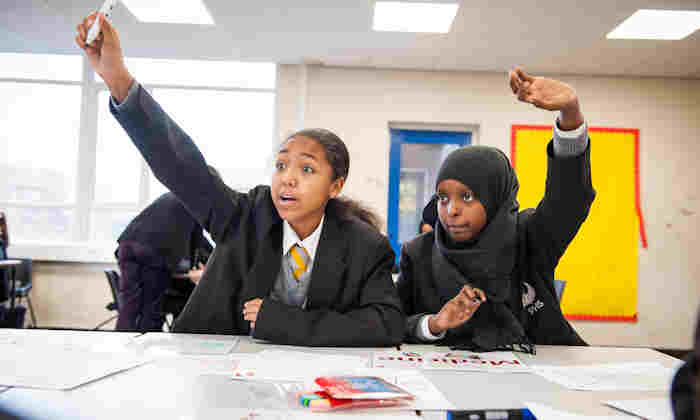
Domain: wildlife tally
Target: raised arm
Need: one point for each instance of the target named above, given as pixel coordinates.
(169, 151)
(569, 191)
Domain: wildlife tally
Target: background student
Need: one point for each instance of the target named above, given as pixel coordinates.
(429, 217)
(293, 263)
(483, 279)
(152, 249)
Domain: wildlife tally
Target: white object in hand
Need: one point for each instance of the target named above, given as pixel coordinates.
(95, 28)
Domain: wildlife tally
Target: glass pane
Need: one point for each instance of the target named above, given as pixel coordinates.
(39, 142)
(45, 224)
(41, 66)
(419, 165)
(202, 73)
(118, 166)
(107, 225)
(234, 134)
(411, 186)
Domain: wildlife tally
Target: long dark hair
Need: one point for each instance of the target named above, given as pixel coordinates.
(339, 159)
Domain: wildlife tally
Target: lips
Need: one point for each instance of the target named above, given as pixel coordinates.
(459, 229)
(287, 200)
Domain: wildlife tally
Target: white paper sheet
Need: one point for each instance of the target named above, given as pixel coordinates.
(652, 408)
(166, 343)
(545, 412)
(102, 341)
(263, 414)
(200, 364)
(294, 366)
(502, 361)
(34, 367)
(633, 376)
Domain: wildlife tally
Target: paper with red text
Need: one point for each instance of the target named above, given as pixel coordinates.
(497, 361)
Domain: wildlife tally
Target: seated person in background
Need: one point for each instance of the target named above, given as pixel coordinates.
(484, 278)
(150, 248)
(294, 262)
(685, 389)
(429, 216)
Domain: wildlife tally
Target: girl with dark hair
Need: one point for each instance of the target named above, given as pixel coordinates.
(293, 263)
(483, 279)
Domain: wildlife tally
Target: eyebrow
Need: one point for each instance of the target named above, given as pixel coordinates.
(308, 155)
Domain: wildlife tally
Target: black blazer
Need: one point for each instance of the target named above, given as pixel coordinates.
(167, 228)
(544, 234)
(351, 300)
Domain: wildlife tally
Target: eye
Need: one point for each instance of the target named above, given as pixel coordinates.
(280, 165)
(467, 197)
(308, 169)
(442, 198)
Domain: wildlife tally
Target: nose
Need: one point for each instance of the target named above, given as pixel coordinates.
(454, 208)
(289, 178)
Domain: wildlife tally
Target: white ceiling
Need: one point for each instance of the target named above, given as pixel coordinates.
(544, 36)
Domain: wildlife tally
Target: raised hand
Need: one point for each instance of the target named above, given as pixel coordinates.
(105, 55)
(548, 94)
(457, 310)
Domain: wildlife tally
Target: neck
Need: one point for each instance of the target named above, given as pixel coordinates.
(305, 228)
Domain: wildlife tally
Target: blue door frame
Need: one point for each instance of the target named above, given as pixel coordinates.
(399, 137)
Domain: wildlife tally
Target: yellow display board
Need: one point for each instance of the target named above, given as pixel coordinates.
(600, 266)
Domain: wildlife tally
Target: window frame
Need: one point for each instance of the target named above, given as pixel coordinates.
(81, 248)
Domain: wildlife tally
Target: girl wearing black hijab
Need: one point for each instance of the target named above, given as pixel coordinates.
(483, 279)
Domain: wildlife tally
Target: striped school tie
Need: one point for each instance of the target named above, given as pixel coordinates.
(299, 261)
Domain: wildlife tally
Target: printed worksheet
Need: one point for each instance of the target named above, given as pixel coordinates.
(280, 365)
(167, 343)
(499, 361)
(631, 376)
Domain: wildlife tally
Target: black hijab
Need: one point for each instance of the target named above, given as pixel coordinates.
(487, 261)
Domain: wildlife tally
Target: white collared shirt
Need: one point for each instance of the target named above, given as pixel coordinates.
(310, 244)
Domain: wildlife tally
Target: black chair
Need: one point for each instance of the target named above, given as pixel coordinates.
(113, 281)
(23, 285)
(175, 298)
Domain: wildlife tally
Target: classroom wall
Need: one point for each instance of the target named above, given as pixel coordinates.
(360, 104)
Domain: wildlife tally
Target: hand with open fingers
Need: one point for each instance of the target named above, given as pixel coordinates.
(105, 54)
(251, 310)
(457, 310)
(544, 93)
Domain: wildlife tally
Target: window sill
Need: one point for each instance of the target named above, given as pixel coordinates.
(85, 252)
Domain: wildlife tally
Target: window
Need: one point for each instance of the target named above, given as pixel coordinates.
(71, 176)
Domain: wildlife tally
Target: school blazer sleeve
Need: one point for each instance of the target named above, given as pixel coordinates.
(375, 319)
(177, 162)
(406, 289)
(567, 200)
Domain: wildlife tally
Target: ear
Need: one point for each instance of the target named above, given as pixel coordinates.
(336, 187)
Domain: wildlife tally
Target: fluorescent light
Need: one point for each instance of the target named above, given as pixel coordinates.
(414, 17)
(657, 24)
(170, 11)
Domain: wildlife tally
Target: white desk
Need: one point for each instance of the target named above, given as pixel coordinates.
(163, 390)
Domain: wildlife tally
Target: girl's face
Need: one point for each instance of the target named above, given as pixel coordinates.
(461, 214)
(302, 184)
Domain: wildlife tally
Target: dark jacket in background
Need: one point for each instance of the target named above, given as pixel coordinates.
(685, 389)
(168, 229)
(150, 250)
(351, 299)
(543, 236)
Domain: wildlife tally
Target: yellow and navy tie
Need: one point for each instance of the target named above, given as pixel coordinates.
(299, 261)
